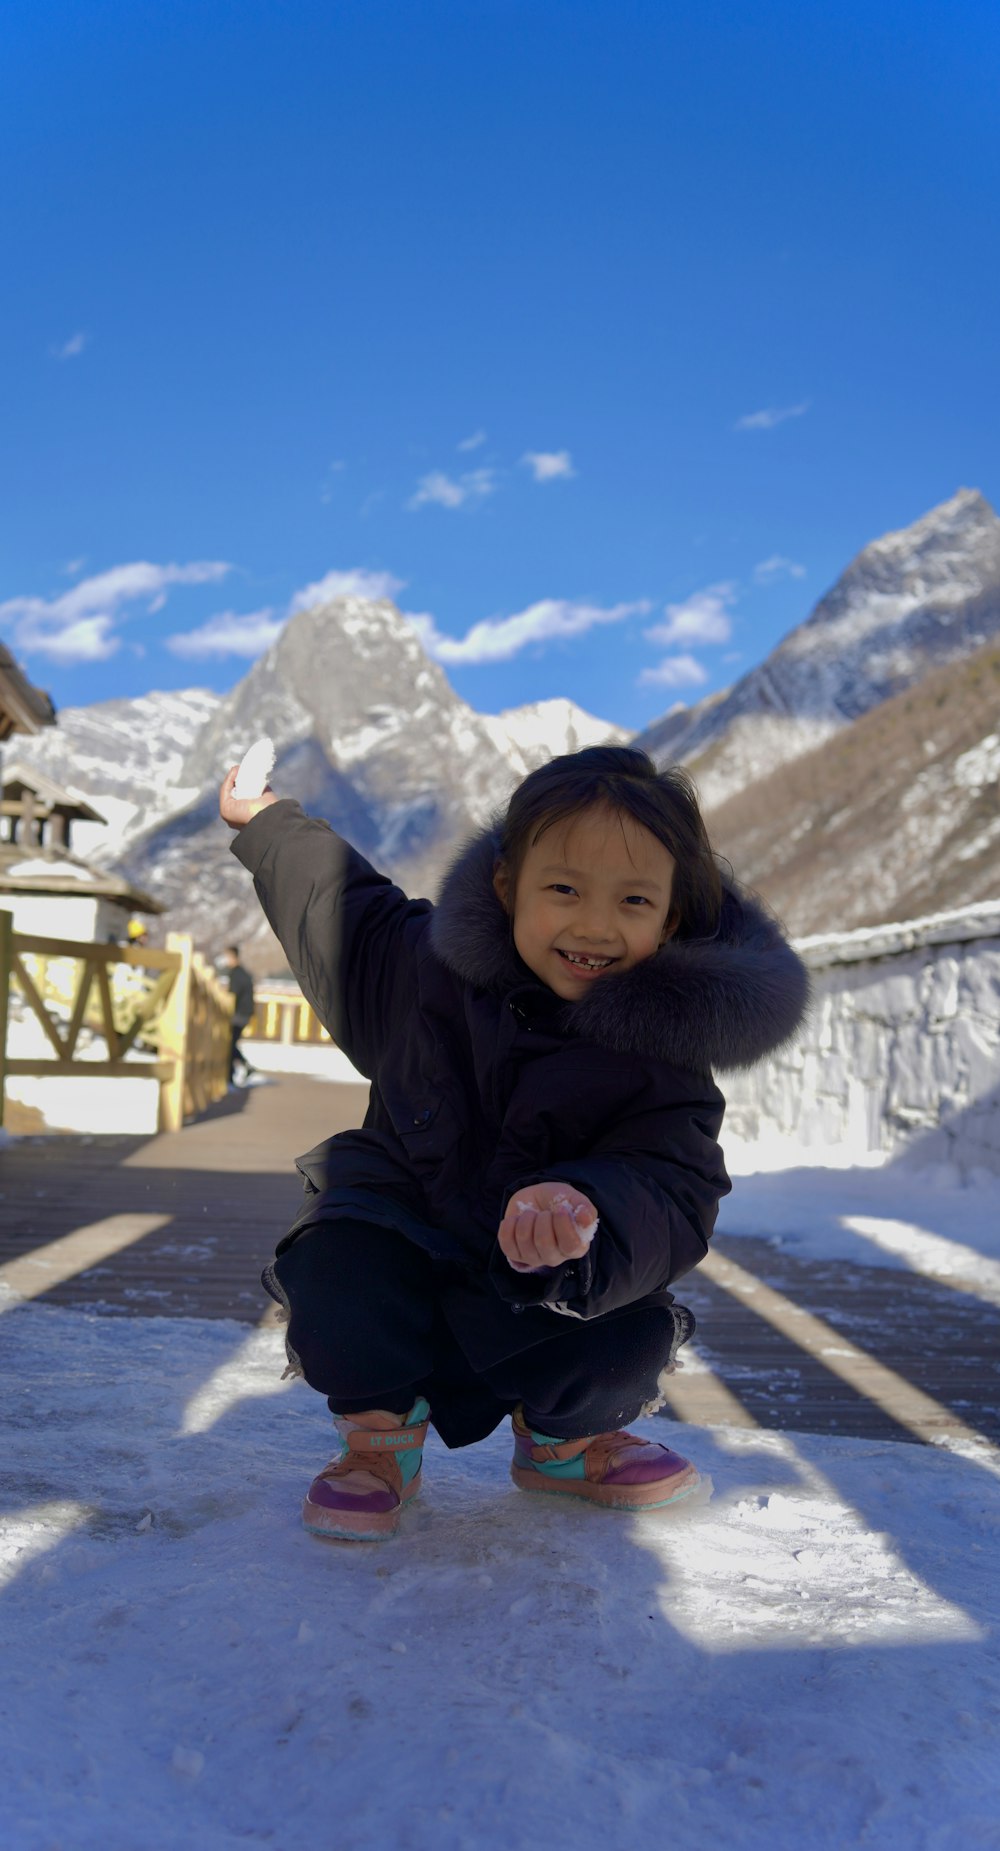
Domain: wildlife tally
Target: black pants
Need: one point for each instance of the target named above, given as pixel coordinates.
(365, 1324)
(236, 1052)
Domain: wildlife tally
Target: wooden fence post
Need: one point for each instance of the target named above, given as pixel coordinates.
(173, 1036)
(6, 934)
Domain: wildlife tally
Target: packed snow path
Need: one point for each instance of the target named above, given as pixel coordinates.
(809, 1658)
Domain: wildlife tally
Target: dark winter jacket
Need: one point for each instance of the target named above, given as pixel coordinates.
(484, 1081)
(241, 990)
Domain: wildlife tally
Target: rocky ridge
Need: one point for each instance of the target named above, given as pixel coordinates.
(909, 603)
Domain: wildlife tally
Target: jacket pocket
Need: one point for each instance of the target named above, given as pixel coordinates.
(421, 1126)
(413, 1117)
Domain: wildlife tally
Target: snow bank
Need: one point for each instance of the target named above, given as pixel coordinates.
(901, 1051)
(807, 1659)
(932, 1221)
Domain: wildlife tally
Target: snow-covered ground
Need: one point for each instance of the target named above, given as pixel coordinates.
(809, 1658)
(881, 1213)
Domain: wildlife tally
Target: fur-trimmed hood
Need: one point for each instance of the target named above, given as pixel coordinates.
(698, 1003)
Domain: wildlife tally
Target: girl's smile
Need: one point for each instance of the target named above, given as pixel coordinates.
(593, 897)
(590, 967)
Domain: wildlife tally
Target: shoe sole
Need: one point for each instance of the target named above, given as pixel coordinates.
(337, 1526)
(629, 1497)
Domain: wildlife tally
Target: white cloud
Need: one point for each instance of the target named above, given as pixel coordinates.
(496, 639)
(356, 582)
(77, 625)
(249, 633)
(68, 350)
(548, 465)
(767, 419)
(229, 633)
(90, 639)
(474, 442)
(674, 672)
(443, 491)
(777, 566)
(702, 618)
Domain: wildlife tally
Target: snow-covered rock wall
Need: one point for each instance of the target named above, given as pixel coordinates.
(901, 1053)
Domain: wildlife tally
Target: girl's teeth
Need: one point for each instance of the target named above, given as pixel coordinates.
(587, 963)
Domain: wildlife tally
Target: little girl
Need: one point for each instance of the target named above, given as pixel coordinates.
(538, 1162)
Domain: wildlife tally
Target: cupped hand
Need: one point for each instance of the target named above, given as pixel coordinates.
(544, 1225)
(237, 811)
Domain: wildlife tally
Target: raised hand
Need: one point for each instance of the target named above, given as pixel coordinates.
(544, 1225)
(237, 811)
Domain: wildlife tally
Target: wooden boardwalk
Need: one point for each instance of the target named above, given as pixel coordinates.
(180, 1226)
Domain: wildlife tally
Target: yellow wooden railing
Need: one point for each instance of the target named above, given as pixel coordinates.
(284, 1015)
(169, 1002)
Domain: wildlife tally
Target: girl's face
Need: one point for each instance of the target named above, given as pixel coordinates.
(593, 897)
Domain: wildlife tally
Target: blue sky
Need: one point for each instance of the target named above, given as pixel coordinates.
(601, 334)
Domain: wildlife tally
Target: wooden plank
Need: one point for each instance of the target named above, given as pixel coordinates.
(43, 947)
(79, 1006)
(37, 1272)
(37, 1006)
(107, 1010)
(923, 1353)
(147, 1009)
(120, 1069)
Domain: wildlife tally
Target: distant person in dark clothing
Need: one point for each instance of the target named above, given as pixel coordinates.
(241, 989)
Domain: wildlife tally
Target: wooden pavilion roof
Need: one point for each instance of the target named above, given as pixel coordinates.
(23, 707)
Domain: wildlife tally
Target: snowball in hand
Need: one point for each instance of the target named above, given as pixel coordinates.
(255, 769)
(586, 1230)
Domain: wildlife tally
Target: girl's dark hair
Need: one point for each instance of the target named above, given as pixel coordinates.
(627, 781)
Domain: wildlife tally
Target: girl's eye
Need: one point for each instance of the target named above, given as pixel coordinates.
(561, 887)
(637, 899)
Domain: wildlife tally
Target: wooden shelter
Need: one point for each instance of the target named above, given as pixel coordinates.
(43, 884)
(35, 811)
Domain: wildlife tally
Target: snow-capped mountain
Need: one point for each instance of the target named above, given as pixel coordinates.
(369, 733)
(131, 756)
(908, 603)
(529, 736)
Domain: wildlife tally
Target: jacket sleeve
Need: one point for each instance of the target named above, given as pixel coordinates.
(656, 1179)
(349, 935)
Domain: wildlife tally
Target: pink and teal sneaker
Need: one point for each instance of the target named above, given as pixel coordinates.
(359, 1496)
(618, 1470)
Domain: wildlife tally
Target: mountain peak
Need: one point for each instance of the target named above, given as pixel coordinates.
(959, 528)
(911, 600)
(351, 611)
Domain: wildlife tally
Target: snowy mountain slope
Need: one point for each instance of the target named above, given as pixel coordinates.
(896, 816)
(908, 603)
(370, 734)
(526, 735)
(132, 757)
